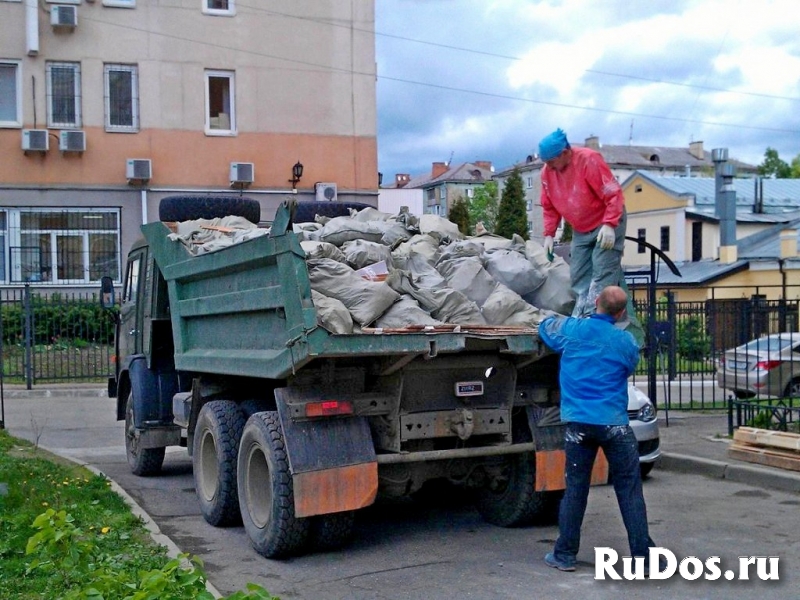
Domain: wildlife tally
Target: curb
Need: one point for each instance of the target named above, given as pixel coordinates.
(158, 536)
(740, 473)
(55, 392)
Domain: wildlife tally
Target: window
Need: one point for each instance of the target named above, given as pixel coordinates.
(443, 193)
(131, 289)
(119, 3)
(10, 94)
(430, 193)
(529, 205)
(63, 95)
(641, 235)
(470, 193)
(665, 238)
(697, 241)
(63, 246)
(220, 105)
(122, 97)
(529, 182)
(219, 7)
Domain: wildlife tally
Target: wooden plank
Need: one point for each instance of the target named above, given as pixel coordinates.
(764, 437)
(763, 456)
(219, 228)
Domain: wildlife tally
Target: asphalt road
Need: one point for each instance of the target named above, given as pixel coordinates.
(443, 550)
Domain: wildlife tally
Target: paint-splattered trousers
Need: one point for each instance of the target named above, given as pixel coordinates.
(621, 449)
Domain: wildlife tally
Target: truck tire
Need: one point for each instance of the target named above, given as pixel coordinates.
(216, 445)
(329, 532)
(185, 208)
(143, 461)
(266, 496)
(306, 211)
(512, 501)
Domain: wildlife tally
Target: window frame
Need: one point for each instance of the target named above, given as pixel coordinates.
(76, 98)
(231, 77)
(119, 3)
(108, 68)
(664, 238)
(17, 66)
(219, 12)
(641, 235)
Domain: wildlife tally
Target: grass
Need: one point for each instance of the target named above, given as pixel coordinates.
(58, 362)
(64, 533)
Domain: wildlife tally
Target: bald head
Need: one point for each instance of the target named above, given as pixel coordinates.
(612, 301)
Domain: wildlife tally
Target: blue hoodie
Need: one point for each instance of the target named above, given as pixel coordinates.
(596, 361)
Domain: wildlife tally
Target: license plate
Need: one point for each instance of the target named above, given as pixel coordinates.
(738, 365)
(469, 388)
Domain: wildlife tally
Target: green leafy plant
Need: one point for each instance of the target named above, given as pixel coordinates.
(693, 343)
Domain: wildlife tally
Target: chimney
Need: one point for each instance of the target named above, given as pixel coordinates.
(788, 243)
(484, 164)
(438, 169)
(725, 205)
(401, 179)
(696, 150)
(593, 142)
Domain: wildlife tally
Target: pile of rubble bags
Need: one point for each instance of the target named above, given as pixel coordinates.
(374, 272)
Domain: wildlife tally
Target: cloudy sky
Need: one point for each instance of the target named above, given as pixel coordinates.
(486, 79)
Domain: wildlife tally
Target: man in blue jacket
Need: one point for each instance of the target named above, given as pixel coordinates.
(596, 361)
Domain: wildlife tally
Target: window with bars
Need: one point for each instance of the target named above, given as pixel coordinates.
(63, 94)
(220, 103)
(10, 94)
(61, 246)
(122, 97)
(219, 7)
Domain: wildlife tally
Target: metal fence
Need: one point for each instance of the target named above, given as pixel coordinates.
(53, 337)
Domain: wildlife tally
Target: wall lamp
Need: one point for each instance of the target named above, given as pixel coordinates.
(297, 173)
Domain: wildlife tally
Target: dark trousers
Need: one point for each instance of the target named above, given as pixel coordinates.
(621, 450)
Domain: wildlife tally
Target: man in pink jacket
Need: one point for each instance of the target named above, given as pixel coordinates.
(578, 186)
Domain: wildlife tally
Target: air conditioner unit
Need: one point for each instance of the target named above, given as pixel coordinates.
(326, 192)
(35, 140)
(242, 172)
(72, 141)
(64, 15)
(138, 168)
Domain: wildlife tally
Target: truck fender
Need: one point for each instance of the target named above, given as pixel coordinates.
(332, 460)
(152, 393)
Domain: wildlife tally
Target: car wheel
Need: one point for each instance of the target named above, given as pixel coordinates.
(743, 395)
(186, 208)
(645, 469)
(792, 389)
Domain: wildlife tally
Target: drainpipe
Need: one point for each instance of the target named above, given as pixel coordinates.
(143, 194)
(32, 27)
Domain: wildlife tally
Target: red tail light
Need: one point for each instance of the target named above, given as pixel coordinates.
(768, 365)
(329, 408)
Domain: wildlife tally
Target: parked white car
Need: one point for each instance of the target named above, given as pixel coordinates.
(644, 422)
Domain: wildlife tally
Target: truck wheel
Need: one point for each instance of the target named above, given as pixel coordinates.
(266, 496)
(511, 500)
(329, 532)
(143, 461)
(185, 208)
(216, 443)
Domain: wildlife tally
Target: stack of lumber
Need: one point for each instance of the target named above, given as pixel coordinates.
(761, 446)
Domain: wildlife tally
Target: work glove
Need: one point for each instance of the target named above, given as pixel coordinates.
(606, 237)
(548, 247)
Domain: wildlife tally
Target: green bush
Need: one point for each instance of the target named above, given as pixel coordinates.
(55, 318)
(693, 343)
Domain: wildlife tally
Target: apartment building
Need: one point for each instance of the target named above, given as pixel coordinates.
(107, 106)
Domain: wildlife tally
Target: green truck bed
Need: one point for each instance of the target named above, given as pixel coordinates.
(247, 310)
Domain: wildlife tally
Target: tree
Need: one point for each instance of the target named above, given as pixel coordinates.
(484, 205)
(773, 166)
(459, 214)
(512, 217)
(795, 174)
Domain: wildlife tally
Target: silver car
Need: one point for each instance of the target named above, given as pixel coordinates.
(644, 422)
(768, 366)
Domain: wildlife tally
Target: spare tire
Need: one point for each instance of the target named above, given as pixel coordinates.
(186, 208)
(306, 211)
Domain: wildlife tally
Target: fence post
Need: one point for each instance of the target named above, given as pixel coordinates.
(27, 317)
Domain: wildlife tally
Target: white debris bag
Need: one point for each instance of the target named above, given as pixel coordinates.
(322, 250)
(339, 230)
(444, 304)
(360, 253)
(513, 270)
(468, 276)
(366, 300)
(405, 312)
(506, 307)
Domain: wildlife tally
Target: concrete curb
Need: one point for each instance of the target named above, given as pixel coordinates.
(158, 536)
(55, 392)
(750, 475)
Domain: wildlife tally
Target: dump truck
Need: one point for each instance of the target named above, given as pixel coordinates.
(292, 429)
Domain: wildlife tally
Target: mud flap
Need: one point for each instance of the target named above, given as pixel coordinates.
(332, 459)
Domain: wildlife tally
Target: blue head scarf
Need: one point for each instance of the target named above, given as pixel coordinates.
(552, 145)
